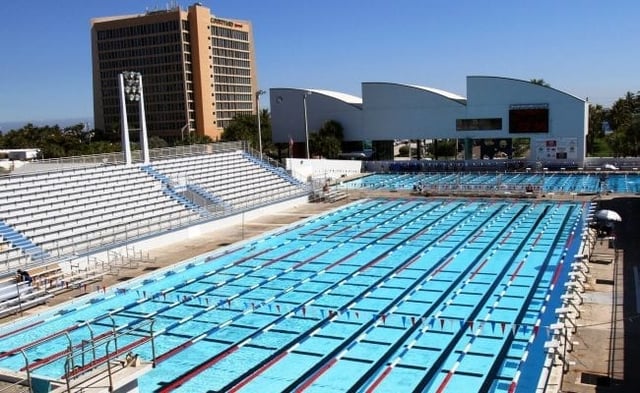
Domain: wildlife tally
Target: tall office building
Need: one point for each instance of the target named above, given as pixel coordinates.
(198, 70)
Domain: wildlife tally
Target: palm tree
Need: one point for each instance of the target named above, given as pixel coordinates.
(596, 117)
(540, 82)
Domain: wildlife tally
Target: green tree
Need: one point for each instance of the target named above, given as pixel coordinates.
(244, 127)
(193, 139)
(442, 148)
(55, 142)
(157, 142)
(540, 82)
(616, 141)
(596, 117)
(623, 110)
(327, 142)
(624, 118)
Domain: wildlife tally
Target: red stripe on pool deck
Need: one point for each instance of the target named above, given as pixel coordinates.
(316, 375)
(414, 237)
(570, 240)
(192, 373)
(37, 363)
(479, 268)
(101, 360)
(256, 373)
(515, 274)
(378, 259)
(506, 237)
(371, 263)
(444, 382)
(173, 351)
(393, 232)
(446, 236)
(339, 261)
(281, 257)
(512, 387)
(473, 239)
(378, 380)
(11, 333)
(38, 341)
(537, 239)
(447, 262)
(556, 274)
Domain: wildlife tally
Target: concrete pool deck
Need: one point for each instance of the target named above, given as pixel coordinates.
(598, 360)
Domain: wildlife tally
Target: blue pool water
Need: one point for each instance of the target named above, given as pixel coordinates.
(382, 295)
(549, 182)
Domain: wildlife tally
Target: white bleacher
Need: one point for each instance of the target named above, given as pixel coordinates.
(230, 176)
(15, 297)
(46, 281)
(85, 208)
(13, 259)
(77, 210)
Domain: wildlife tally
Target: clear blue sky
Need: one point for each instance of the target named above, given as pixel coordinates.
(586, 48)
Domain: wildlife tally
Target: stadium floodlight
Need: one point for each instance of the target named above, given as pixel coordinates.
(306, 121)
(131, 89)
(258, 94)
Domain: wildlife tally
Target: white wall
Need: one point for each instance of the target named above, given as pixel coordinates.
(568, 115)
(394, 111)
(304, 170)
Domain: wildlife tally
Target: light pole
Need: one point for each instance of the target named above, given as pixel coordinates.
(124, 137)
(258, 94)
(131, 90)
(182, 131)
(306, 121)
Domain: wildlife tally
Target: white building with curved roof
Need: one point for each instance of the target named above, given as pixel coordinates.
(496, 109)
(287, 113)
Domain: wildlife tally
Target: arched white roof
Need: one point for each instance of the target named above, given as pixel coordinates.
(447, 94)
(347, 98)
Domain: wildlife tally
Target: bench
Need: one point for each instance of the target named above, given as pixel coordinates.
(12, 290)
(25, 305)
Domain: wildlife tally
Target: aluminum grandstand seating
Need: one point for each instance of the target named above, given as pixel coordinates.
(79, 210)
(17, 296)
(85, 208)
(231, 176)
(12, 258)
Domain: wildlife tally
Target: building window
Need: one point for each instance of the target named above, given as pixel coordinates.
(479, 124)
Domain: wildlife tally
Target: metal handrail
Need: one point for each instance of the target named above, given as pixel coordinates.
(71, 373)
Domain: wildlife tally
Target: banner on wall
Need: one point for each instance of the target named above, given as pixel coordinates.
(556, 149)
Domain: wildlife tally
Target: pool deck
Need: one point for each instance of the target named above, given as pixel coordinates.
(597, 359)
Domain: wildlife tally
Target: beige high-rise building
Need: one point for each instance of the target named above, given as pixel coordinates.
(198, 70)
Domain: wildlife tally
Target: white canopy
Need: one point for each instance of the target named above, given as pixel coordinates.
(608, 215)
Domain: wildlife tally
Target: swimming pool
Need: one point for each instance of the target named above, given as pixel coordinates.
(588, 183)
(382, 295)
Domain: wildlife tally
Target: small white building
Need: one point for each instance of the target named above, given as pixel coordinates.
(20, 154)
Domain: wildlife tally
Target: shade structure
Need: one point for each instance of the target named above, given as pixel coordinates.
(608, 215)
